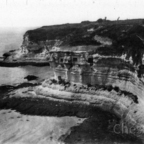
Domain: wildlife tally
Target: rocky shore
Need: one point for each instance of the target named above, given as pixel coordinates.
(15, 58)
(103, 111)
(98, 125)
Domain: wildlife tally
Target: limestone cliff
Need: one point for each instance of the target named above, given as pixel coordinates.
(110, 77)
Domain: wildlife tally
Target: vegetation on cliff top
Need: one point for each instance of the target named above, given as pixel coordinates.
(70, 34)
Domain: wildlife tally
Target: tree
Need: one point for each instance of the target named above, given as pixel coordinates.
(100, 20)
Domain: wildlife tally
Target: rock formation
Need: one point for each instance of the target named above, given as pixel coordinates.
(95, 64)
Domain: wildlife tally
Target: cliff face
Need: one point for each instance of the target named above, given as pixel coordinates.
(114, 81)
(102, 64)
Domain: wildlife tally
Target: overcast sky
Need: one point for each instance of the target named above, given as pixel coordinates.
(33, 13)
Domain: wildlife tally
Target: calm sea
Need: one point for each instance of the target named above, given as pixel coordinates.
(10, 76)
(10, 40)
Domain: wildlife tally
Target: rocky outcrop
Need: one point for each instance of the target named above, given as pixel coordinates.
(120, 97)
(101, 65)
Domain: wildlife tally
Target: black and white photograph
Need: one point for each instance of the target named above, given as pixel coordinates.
(71, 71)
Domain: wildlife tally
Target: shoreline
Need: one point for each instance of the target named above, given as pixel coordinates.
(96, 127)
(22, 63)
(18, 128)
(23, 99)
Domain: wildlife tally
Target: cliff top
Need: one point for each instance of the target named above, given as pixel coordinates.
(112, 37)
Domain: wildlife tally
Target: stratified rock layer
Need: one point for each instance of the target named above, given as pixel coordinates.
(121, 95)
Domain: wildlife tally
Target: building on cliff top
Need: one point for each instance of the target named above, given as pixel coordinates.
(72, 63)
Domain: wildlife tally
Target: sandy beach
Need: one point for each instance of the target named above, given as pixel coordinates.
(16, 128)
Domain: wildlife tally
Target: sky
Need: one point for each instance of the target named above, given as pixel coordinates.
(35, 13)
